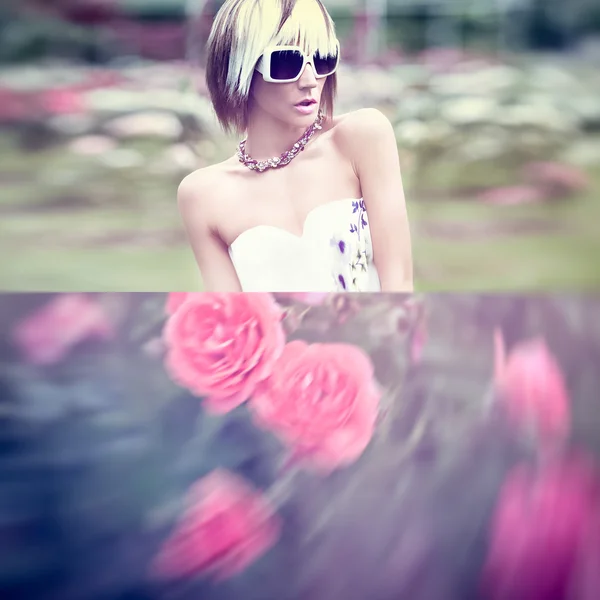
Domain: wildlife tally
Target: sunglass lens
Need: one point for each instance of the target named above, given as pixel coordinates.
(286, 64)
(324, 65)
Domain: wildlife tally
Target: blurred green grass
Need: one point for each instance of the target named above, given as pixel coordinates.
(72, 223)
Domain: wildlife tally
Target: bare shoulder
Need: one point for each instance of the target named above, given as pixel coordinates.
(363, 126)
(200, 192)
(199, 186)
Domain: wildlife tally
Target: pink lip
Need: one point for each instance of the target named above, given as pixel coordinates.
(306, 109)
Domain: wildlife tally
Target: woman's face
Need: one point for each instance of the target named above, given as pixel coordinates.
(295, 104)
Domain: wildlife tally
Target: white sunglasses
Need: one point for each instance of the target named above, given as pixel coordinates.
(285, 64)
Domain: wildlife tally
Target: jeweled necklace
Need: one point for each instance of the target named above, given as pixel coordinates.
(286, 157)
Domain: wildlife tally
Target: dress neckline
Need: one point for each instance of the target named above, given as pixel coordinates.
(287, 232)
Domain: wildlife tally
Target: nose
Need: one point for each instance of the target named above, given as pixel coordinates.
(308, 79)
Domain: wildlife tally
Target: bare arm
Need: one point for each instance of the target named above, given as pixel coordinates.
(212, 256)
(376, 162)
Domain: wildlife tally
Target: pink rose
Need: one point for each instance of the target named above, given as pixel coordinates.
(418, 342)
(176, 299)
(322, 400)
(586, 583)
(46, 336)
(227, 526)
(532, 385)
(223, 345)
(538, 528)
(311, 298)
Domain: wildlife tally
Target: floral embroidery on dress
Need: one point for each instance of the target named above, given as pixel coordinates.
(359, 206)
(353, 253)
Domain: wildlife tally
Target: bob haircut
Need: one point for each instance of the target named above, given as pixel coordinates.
(241, 31)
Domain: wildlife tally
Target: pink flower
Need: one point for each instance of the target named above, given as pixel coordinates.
(538, 528)
(586, 582)
(228, 525)
(223, 345)
(322, 400)
(13, 106)
(509, 195)
(176, 299)
(46, 336)
(311, 298)
(62, 102)
(442, 59)
(418, 342)
(557, 178)
(532, 386)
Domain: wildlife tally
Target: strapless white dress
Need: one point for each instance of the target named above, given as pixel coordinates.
(334, 253)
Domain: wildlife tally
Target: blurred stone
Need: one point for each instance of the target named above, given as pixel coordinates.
(202, 110)
(206, 149)
(92, 144)
(111, 100)
(182, 156)
(76, 124)
(417, 105)
(552, 78)
(383, 85)
(545, 117)
(442, 59)
(132, 102)
(412, 74)
(412, 133)
(368, 85)
(484, 147)
(163, 75)
(535, 142)
(146, 124)
(441, 132)
(587, 110)
(585, 153)
(469, 110)
(24, 78)
(487, 81)
(177, 158)
(132, 99)
(123, 158)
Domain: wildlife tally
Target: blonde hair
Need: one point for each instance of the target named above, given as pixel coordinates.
(241, 31)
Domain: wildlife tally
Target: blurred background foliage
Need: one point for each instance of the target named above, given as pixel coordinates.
(495, 105)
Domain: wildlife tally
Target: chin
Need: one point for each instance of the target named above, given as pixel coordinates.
(297, 120)
(306, 120)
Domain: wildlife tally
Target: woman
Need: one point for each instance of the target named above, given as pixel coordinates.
(289, 211)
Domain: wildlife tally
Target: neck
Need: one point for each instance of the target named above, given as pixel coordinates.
(268, 137)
